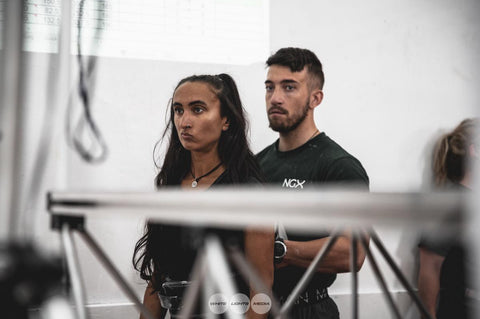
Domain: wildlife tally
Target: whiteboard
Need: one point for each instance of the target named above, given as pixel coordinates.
(204, 31)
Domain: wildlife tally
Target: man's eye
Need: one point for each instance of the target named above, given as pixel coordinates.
(198, 110)
(289, 87)
(268, 88)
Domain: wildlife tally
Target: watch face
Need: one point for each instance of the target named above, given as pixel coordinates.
(279, 249)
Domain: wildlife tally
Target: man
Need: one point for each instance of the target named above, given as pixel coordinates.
(302, 157)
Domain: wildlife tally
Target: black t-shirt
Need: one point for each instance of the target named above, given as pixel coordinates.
(452, 301)
(177, 245)
(319, 161)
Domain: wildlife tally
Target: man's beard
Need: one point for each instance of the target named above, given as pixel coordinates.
(291, 123)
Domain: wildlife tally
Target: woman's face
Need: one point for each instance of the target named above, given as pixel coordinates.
(197, 117)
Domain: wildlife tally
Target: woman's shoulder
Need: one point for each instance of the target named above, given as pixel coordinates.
(227, 179)
(253, 180)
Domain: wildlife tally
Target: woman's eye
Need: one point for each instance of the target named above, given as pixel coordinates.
(178, 110)
(198, 110)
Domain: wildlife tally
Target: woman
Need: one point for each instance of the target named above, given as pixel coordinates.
(208, 147)
(442, 283)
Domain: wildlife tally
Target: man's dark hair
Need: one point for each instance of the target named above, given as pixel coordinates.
(296, 59)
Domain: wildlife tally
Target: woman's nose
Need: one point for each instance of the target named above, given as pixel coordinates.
(186, 121)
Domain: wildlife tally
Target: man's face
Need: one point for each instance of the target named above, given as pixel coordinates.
(287, 97)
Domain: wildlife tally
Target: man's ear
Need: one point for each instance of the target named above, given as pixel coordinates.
(316, 98)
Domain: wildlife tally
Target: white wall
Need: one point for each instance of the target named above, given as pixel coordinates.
(397, 74)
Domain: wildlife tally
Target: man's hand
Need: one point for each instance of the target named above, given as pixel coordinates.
(280, 265)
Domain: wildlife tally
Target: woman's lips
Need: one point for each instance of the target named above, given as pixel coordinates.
(186, 136)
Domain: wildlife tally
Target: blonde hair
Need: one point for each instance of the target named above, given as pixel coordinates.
(451, 153)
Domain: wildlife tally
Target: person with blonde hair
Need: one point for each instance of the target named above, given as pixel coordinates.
(453, 154)
(443, 283)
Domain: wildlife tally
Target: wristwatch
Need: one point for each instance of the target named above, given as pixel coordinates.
(280, 250)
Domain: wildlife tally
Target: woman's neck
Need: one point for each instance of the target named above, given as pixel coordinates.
(201, 164)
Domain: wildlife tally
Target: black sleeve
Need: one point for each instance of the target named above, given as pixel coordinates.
(348, 169)
(439, 247)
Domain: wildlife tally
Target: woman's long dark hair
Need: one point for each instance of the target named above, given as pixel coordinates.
(234, 152)
(233, 146)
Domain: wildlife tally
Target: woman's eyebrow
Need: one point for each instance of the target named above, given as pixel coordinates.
(197, 102)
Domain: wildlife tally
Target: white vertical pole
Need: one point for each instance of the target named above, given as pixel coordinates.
(11, 117)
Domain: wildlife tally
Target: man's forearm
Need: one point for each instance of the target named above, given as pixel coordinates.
(337, 260)
(259, 252)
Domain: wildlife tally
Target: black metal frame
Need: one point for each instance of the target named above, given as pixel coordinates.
(359, 236)
(69, 224)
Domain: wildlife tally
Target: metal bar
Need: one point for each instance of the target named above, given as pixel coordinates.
(381, 280)
(102, 257)
(399, 274)
(199, 272)
(74, 271)
(353, 269)
(208, 290)
(361, 209)
(219, 270)
(12, 115)
(251, 275)
(303, 282)
(56, 307)
(56, 95)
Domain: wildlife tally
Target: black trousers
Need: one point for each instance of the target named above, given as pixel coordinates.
(324, 309)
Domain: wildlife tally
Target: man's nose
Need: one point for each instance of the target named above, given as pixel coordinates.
(276, 97)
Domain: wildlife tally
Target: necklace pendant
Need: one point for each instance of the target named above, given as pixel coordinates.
(194, 183)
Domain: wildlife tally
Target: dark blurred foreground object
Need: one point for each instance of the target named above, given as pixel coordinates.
(27, 279)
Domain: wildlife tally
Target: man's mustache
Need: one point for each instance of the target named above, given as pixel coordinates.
(277, 109)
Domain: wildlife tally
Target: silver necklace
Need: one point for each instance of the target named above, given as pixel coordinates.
(197, 179)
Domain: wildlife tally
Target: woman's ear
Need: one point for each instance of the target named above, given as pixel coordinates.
(472, 151)
(226, 125)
